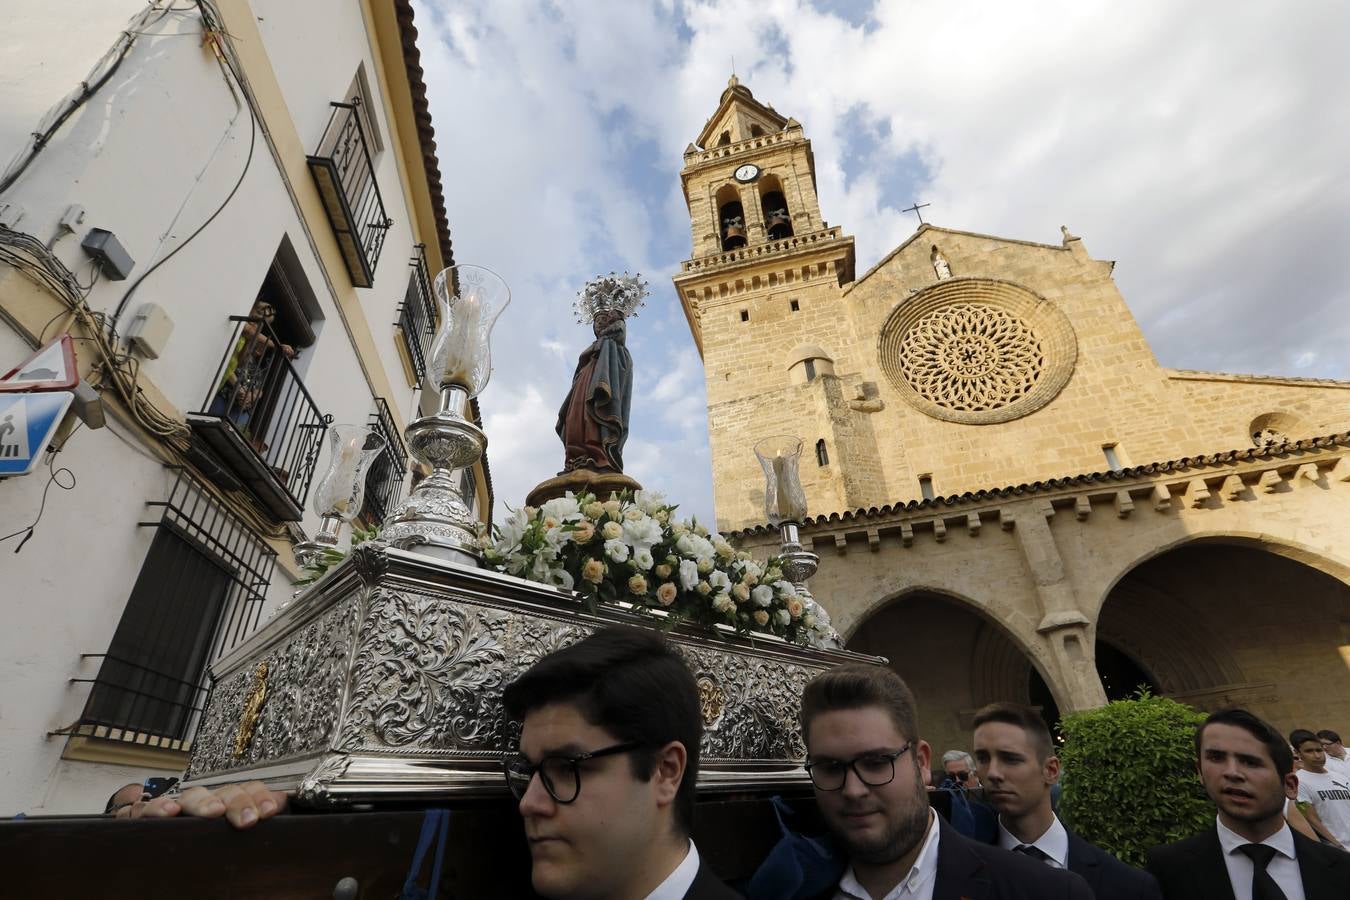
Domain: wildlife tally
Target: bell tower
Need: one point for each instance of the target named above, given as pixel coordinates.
(762, 292)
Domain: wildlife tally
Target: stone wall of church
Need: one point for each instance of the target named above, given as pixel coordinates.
(1228, 408)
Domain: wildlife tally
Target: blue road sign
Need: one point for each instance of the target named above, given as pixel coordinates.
(27, 423)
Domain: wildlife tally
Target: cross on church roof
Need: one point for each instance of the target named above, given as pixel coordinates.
(915, 209)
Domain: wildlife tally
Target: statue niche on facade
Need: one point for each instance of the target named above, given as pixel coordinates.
(594, 417)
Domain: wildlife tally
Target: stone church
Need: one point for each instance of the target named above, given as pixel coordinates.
(1011, 498)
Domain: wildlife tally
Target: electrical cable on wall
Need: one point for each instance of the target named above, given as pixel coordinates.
(53, 477)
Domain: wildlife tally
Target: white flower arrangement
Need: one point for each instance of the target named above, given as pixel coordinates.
(631, 548)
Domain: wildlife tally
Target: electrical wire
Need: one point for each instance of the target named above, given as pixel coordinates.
(53, 477)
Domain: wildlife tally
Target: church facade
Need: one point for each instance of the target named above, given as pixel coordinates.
(1011, 498)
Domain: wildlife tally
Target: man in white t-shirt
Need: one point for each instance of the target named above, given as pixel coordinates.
(1338, 761)
(1327, 793)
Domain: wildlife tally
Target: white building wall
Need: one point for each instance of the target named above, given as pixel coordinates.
(150, 158)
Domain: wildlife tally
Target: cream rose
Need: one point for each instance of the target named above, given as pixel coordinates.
(666, 594)
(794, 607)
(761, 617)
(583, 532)
(663, 571)
(593, 571)
(638, 585)
(741, 592)
(704, 588)
(612, 531)
(594, 510)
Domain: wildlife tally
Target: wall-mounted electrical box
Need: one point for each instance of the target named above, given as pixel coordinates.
(113, 259)
(149, 330)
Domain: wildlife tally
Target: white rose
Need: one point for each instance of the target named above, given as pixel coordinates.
(642, 532)
(785, 588)
(616, 550)
(642, 558)
(782, 616)
(762, 595)
(688, 574)
(719, 581)
(562, 509)
(650, 502)
(752, 569)
(723, 604)
(561, 578)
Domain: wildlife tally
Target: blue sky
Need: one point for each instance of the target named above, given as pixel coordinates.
(1204, 146)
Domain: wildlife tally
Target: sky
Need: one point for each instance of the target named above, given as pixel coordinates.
(1204, 146)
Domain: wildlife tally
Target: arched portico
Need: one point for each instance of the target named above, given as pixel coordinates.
(1239, 620)
(954, 657)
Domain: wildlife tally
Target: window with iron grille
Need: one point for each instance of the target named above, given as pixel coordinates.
(416, 325)
(384, 478)
(200, 593)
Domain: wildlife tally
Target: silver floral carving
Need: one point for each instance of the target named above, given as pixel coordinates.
(314, 788)
(305, 679)
(761, 705)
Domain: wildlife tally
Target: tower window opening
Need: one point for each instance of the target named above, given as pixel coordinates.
(822, 455)
(745, 315)
(730, 218)
(810, 366)
(777, 219)
(756, 131)
(724, 139)
(795, 306)
(1112, 457)
(926, 487)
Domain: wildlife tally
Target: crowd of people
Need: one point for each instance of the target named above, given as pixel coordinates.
(605, 784)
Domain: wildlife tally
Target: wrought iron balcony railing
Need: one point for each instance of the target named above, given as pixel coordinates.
(417, 315)
(384, 480)
(260, 421)
(345, 174)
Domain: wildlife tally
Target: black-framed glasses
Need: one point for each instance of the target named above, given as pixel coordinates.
(873, 769)
(560, 775)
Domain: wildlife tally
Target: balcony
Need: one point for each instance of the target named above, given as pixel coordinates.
(345, 174)
(416, 325)
(384, 481)
(259, 422)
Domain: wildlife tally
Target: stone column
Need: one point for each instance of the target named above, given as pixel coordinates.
(1062, 624)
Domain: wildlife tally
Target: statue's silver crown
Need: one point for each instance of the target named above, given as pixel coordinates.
(610, 293)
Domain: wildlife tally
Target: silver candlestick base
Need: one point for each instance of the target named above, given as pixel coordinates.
(799, 564)
(434, 519)
(307, 552)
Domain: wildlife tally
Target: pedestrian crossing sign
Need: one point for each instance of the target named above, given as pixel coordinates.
(27, 423)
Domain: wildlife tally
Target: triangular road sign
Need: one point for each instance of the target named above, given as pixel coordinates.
(27, 423)
(50, 369)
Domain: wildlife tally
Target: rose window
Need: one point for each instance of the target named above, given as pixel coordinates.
(971, 357)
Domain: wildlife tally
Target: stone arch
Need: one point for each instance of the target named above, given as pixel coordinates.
(1278, 545)
(1237, 620)
(1272, 428)
(953, 653)
(807, 362)
(774, 206)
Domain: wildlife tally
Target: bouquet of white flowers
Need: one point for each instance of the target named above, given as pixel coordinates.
(631, 548)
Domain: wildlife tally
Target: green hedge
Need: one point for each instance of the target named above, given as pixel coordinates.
(1129, 778)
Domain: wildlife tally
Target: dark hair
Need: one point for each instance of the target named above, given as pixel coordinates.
(1326, 734)
(858, 685)
(630, 682)
(108, 807)
(1300, 736)
(1259, 728)
(1023, 717)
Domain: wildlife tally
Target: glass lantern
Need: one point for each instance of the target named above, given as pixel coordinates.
(338, 498)
(784, 500)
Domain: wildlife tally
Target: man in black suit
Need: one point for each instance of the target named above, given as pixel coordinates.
(866, 763)
(1251, 852)
(1016, 762)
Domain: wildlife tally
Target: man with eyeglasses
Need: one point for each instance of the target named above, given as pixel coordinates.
(606, 770)
(960, 769)
(866, 762)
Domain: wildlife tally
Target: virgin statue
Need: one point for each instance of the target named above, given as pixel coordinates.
(593, 420)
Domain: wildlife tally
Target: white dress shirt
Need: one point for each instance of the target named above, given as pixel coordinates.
(1283, 866)
(677, 883)
(1054, 843)
(917, 885)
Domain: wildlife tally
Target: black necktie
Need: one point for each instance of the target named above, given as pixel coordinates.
(1263, 886)
(1037, 853)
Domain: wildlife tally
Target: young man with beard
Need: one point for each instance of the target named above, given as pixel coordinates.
(1016, 762)
(866, 762)
(1251, 853)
